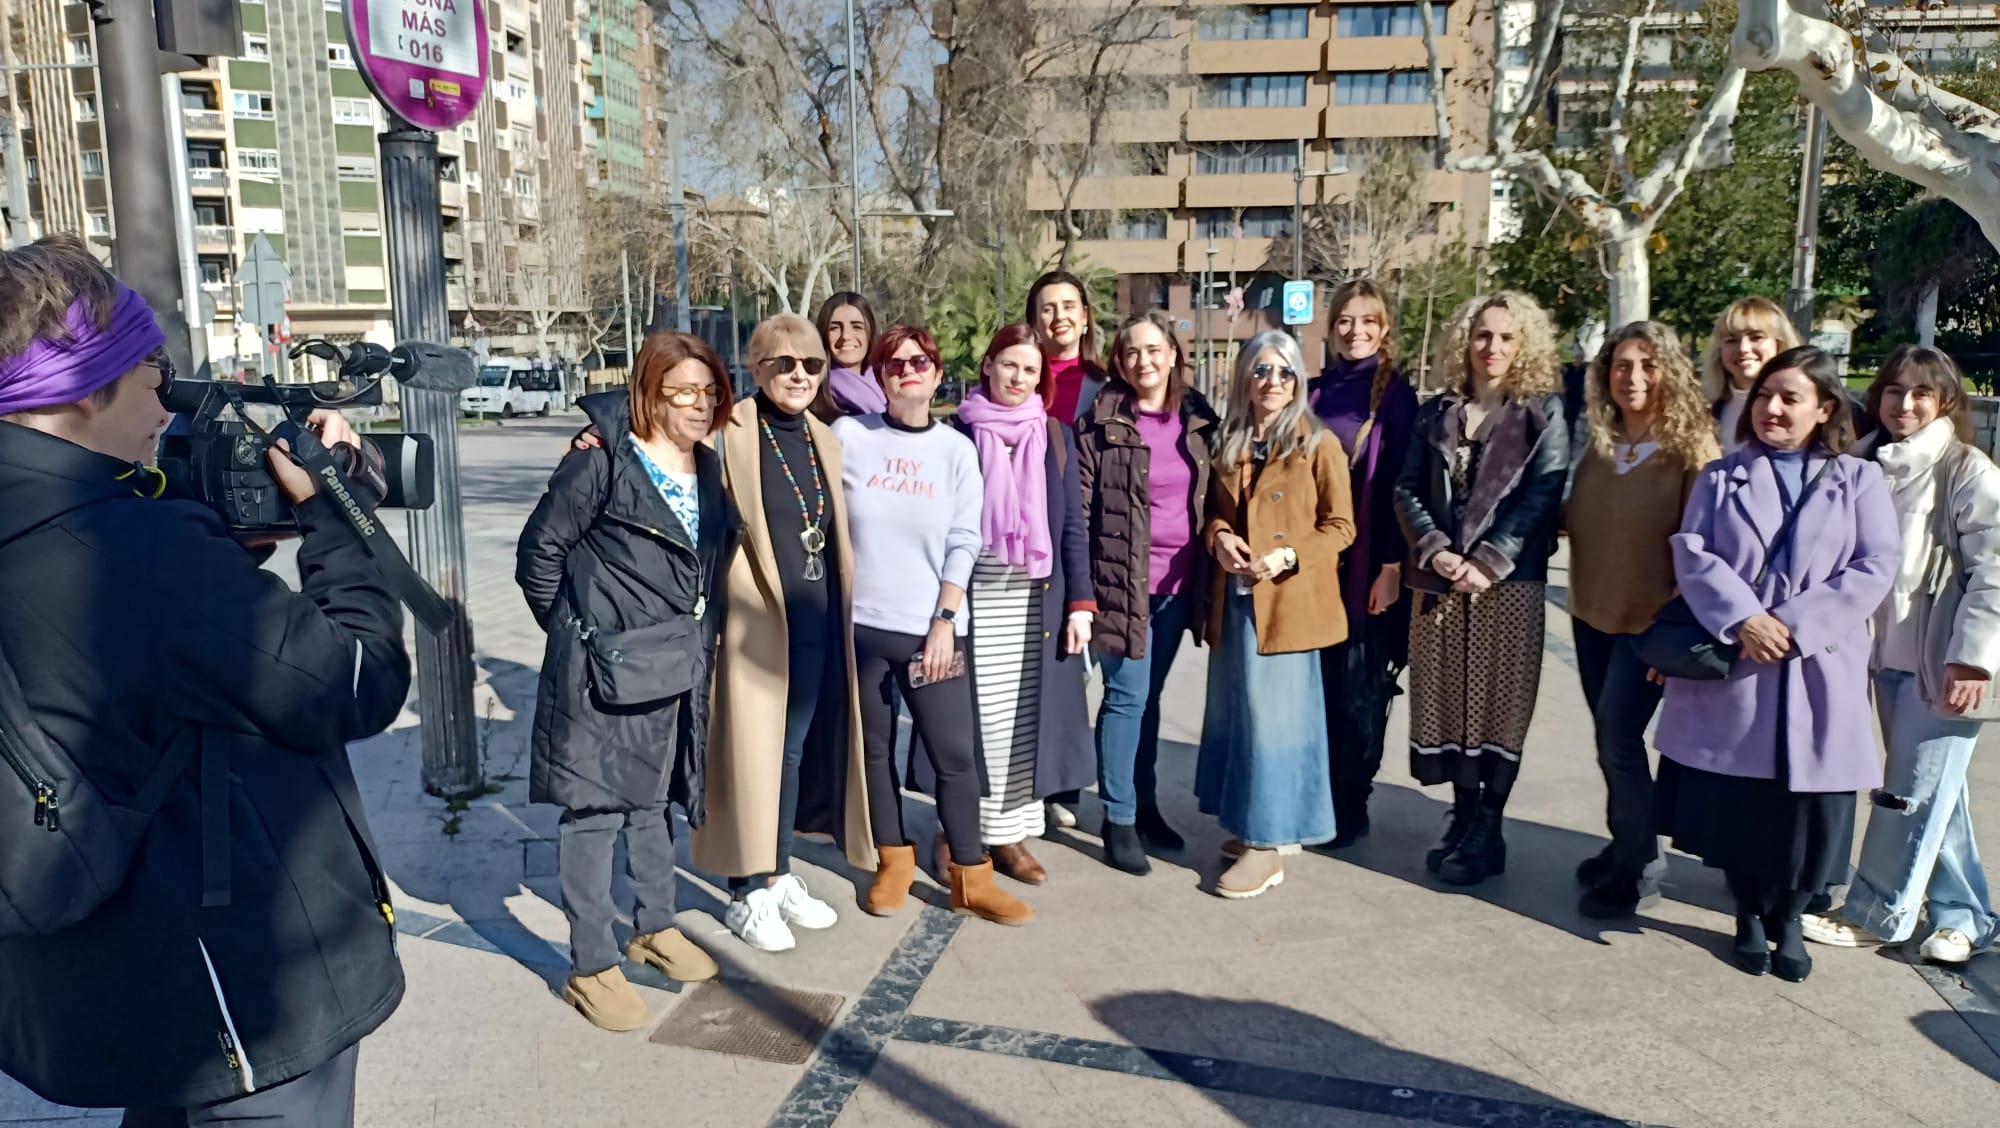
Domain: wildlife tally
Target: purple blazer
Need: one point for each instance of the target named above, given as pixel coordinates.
(1845, 551)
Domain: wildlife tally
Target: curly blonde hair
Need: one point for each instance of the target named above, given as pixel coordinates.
(1685, 430)
(1537, 368)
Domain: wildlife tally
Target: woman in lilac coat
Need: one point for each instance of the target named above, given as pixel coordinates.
(1759, 770)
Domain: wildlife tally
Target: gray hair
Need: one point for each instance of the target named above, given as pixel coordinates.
(1295, 429)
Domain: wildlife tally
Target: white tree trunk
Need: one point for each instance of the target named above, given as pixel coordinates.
(1927, 303)
(1630, 278)
(1895, 118)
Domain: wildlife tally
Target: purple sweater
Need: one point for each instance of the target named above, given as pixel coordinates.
(913, 507)
(1170, 482)
(1340, 398)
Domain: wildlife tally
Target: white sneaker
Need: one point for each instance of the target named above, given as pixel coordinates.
(1837, 931)
(1057, 815)
(757, 920)
(798, 906)
(1948, 945)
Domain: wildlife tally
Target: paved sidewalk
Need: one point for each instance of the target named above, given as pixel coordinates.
(1358, 993)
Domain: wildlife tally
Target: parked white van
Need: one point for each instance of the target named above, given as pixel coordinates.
(510, 386)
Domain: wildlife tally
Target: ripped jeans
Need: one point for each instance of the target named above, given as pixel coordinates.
(1919, 843)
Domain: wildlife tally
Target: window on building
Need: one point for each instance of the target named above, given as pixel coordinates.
(1513, 56)
(209, 214)
(263, 161)
(1257, 223)
(33, 169)
(524, 186)
(1354, 156)
(80, 50)
(1377, 88)
(252, 104)
(1144, 158)
(100, 223)
(256, 46)
(359, 223)
(1255, 23)
(1238, 91)
(93, 164)
(1365, 20)
(1236, 158)
(86, 107)
(354, 111)
(448, 169)
(205, 157)
(355, 168)
(197, 96)
(214, 272)
(340, 55)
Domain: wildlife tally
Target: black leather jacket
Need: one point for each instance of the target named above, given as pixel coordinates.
(1507, 523)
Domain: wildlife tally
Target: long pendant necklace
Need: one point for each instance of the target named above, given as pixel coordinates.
(811, 538)
(1631, 457)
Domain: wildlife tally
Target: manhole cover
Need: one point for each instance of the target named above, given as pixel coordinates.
(750, 1020)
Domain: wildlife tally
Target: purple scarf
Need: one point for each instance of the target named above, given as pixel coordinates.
(1014, 523)
(50, 372)
(855, 393)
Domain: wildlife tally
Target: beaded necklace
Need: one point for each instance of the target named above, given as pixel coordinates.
(811, 538)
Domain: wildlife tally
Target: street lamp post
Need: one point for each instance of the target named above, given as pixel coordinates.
(1299, 175)
(853, 148)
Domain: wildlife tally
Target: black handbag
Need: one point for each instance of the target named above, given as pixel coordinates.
(1678, 646)
(645, 665)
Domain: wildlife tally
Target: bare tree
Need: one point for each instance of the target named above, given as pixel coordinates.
(1623, 215)
(1378, 225)
(787, 242)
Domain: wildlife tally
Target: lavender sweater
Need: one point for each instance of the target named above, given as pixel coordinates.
(913, 511)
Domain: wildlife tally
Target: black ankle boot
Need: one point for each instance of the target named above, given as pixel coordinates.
(1458, 823)
(1482, 854)
(1594, 870)
(1751, 953)
(1349, 827)
(1154, 830)
(1789, 962)
(1123, 849)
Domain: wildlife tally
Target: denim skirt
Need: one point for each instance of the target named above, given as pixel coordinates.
(1263, 769)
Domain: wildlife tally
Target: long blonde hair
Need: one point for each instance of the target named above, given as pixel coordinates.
(1685, 430)
(1753, 312)
(1537, 368)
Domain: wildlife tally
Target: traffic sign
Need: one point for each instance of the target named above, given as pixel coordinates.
(1298, 303)
(425, 59)
(265, 282)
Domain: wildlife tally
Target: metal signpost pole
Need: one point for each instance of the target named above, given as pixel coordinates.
(430, 74)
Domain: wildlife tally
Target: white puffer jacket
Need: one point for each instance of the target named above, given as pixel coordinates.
(1911, 468)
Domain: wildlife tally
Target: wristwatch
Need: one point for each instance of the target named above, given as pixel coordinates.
(1291, 558)
(945, 614)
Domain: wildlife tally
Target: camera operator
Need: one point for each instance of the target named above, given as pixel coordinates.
(250, 945)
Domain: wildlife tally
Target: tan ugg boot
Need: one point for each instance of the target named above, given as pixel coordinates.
(973, 891)
(607, 1000)
(893, 875)
(674, 954)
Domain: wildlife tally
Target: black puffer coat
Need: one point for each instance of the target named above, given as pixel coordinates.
(1116, 469)
(604, 548)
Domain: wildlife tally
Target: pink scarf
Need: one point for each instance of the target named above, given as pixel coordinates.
(1014, 522)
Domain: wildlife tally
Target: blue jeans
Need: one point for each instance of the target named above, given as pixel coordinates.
(1919, 843)
(1128, 722)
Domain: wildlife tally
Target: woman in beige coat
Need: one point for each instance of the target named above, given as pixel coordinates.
(785, 750)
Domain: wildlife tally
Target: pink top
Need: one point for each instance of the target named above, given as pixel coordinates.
(1171, 487)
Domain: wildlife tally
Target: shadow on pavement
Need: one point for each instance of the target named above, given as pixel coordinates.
(1324, 1064)
(1952, 1032)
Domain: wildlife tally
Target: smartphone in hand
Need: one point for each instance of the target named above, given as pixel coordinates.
(955, 670)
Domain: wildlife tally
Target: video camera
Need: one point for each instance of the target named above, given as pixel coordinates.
(220, 461)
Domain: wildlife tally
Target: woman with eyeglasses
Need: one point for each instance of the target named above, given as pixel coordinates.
(1479, 497)
(1368, 405)
(1143, 452)
(787, 750)
(916, 496)
(1278, 515)
(624, 557)
(847, 328)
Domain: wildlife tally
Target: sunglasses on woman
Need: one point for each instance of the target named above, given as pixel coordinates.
(919, 364)
(687, 395)
(1266, 372)
(783, 364)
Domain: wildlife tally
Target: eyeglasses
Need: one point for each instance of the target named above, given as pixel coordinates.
(167, 373)
(783, 364)
(1285, 375)
(919, 364)
(687, 395)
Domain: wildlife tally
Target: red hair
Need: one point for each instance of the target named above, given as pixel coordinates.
(659, 354)
(1009, 337)
(893, 338)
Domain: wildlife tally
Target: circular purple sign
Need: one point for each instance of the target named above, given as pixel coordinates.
(425, 59)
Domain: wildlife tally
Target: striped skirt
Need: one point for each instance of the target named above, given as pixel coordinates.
(1007, 675)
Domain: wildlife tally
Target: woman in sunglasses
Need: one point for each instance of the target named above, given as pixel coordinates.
(1280, 483)
(915, 493)
(787, 751)
(625, 555)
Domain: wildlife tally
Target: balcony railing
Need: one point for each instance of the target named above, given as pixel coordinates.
(212, 233)
(209, 120)
(208, 177)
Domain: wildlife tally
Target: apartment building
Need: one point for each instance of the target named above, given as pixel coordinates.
(1204, 140)
(280, 141)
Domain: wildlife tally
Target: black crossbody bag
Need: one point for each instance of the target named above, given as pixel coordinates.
(1678, 646)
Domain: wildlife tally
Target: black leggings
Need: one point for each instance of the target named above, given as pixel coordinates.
(944, 717)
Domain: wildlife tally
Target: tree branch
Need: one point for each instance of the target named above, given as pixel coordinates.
(1621, 96)
(1438, 108)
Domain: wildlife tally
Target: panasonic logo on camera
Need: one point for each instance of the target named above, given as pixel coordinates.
(354, 511)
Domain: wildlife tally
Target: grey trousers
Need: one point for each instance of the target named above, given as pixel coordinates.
(583, 865)
(319, 1098)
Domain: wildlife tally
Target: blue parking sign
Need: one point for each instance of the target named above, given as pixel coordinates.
(1298, 303)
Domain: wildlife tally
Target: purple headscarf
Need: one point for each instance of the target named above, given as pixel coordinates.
(51, 372)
